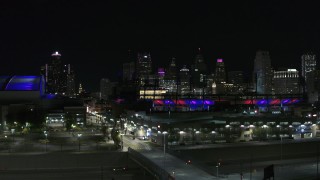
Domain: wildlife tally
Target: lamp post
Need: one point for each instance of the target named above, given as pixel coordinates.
(12, 132)
(150, 114)
(164, 147)
(79, 135)
(164, 141)
(217, 166)
(121, 135)
(46, 134)
(7, 143)
(281, 148)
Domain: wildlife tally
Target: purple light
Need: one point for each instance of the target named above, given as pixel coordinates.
(49, 96)
(168, 102)
(262, 102)
(219, 60)
(161, 72)
(24, 83)
(286, 101)
(208, 102)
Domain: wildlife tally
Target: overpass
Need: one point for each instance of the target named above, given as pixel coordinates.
(165, 166)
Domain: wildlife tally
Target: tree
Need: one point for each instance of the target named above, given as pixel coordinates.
(115, 135)
(69, 118)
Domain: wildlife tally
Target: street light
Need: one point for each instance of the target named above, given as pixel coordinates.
(281, 148)
(12, 132)
(164, 147)
(150, 114)
(7, 143)
(121, 140)
(79, 135)
(46, 134)
(217, 166)
(164, 141)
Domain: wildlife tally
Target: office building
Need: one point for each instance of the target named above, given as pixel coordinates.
(128, 71)
(143, 68)
(184, 76)
(286, 82)
(199, 71)
(262, 73)
(235, 77)
(106, 88)
(220, 73)
(308, 64)
(170, 79)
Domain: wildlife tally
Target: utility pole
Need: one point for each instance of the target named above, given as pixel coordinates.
(251, 166)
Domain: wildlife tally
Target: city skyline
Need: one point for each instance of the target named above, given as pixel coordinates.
(96, 36)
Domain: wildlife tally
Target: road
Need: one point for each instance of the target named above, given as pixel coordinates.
(135, 144)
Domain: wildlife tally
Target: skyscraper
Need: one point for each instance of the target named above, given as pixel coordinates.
(106, 88)
(128, 71)
(59, 78)
(71, 86)
(313, 86)
(235, 77)
(184, 76)
(286, 82)
(308, 64)
(199, 71)
(170, 79)
(171, 72)
(262, 73)
(143, 68)
(53, 73)
(220, 73)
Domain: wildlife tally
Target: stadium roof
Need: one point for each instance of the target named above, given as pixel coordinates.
(21, 83)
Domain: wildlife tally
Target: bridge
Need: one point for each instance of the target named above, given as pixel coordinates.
(165, 166)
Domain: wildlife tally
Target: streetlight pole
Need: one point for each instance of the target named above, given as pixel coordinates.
(164, 148)
(281, 149)
(121, 140)
(46, 140)
(164, 144)
(79, 135)
(217, 166)
(317, 161)
(12, 132)
(150, 114)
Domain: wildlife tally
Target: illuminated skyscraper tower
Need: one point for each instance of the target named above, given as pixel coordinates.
(70, 85)
(184, 77)
(54, 74)
(262, 73)
(220, 73)
(308, 64)
(170, 78)
(143, 68)
(199, 71)
(59, 78)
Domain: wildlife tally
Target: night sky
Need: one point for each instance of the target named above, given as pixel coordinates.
(95, 36)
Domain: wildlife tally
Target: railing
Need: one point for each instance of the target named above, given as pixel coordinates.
(158, 172)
